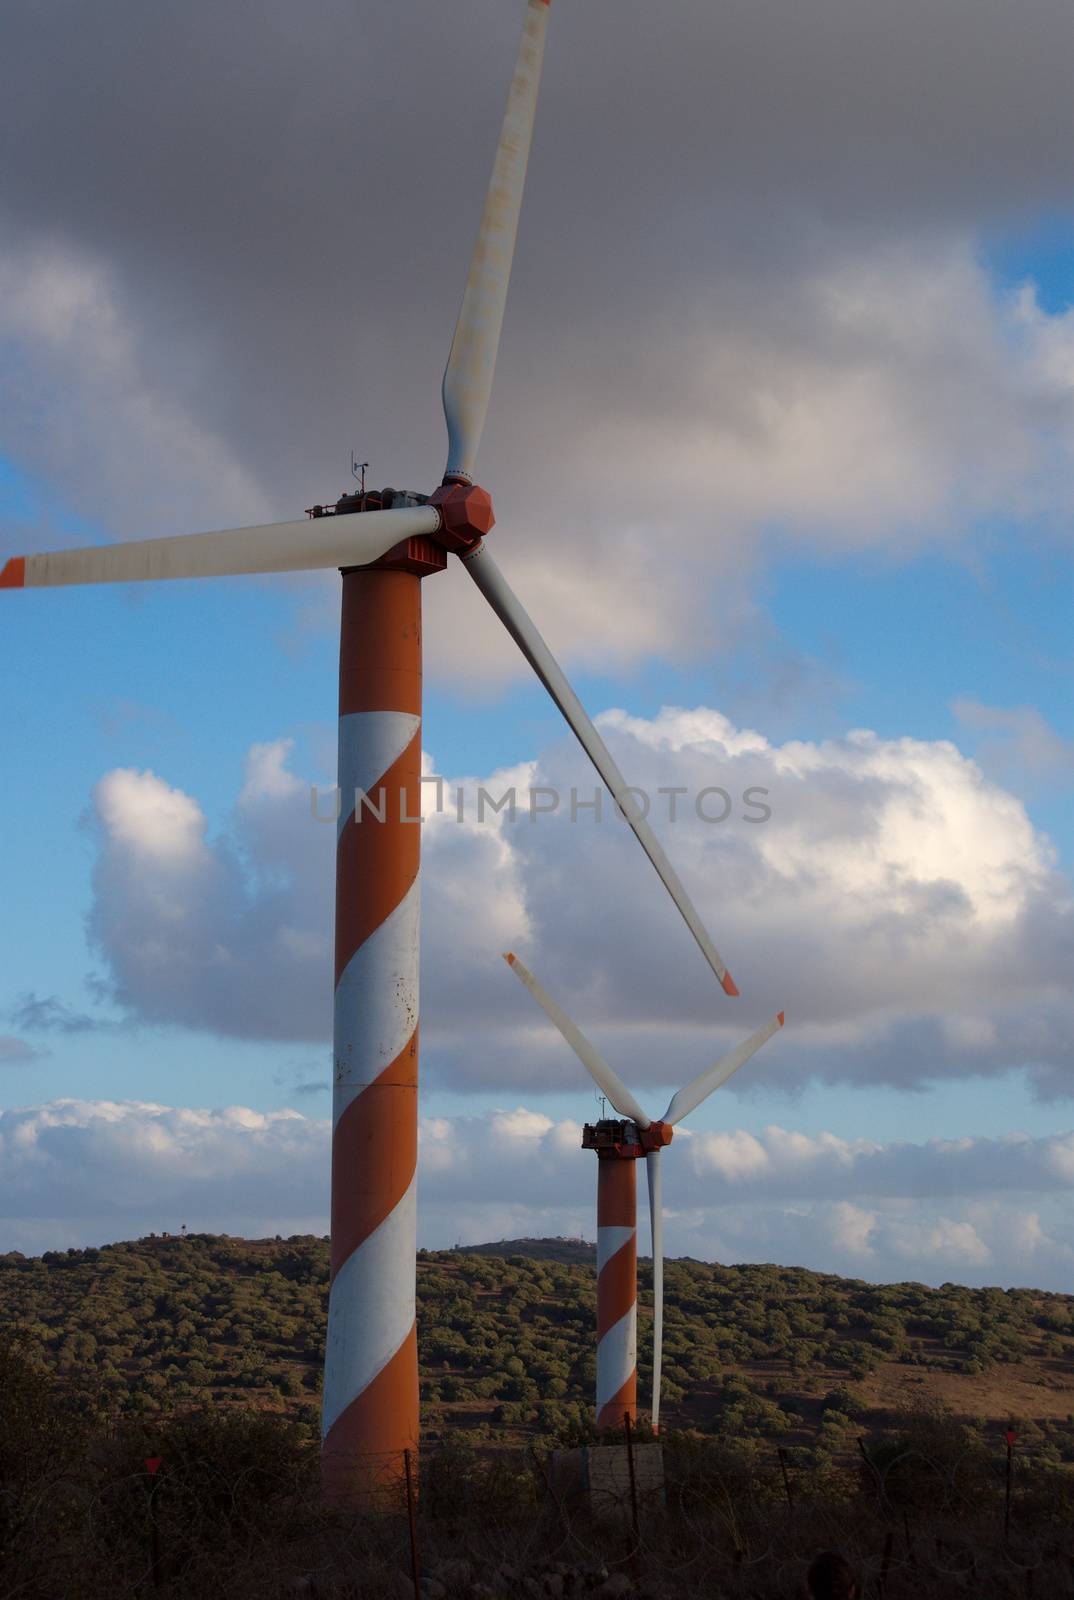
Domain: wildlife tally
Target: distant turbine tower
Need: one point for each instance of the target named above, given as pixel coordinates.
(618, 1146)
(370, 1413)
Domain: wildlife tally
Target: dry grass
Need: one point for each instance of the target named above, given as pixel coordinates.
(235, 1512)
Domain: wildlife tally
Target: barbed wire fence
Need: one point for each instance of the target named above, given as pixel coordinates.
(912, 1521)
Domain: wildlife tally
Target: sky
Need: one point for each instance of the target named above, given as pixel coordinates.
(782, 452)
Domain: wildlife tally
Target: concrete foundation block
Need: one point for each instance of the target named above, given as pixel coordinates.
(596, 1479)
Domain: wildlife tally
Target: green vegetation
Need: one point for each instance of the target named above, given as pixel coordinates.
(166, 1324)
(224, 1500)
(803, 1410)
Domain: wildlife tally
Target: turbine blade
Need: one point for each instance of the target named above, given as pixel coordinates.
(608, 1082)
(656, 1229)
(337, 541)
(501, 597)
(686, 1100)
(472, 361)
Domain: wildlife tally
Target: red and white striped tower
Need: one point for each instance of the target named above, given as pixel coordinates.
(371, 1390)
(618, 1149)
(370, 1413)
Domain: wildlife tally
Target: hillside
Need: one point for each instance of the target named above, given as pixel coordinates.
(568, 1252)
(506, 1341)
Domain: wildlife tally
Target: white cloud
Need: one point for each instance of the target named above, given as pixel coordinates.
(782, 1162)
(267, 774)
(98, 1158)
(520, 1124)
(978, 1210)
(733, 1155)
(1059, 1158)
(148, 818)
(943, 1240)
(851, 1228)
(738, 1157)
(202, 933)
(898, 904)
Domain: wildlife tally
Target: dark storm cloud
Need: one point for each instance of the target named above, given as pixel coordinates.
(284, 198)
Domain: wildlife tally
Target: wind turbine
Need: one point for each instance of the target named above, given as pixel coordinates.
(619, 1145)
(385, 545)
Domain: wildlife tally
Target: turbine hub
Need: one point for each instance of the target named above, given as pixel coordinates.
(466, 515)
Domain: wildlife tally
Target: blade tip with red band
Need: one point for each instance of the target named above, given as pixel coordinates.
(13, 575)
(779, 1017)
(729, 985)
(509, 957)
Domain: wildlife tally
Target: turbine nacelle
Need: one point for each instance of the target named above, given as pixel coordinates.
(623, 1140)
(613, 1140)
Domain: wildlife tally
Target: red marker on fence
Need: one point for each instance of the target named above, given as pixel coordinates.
(153, 1465)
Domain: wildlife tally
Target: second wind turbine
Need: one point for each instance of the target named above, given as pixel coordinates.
(618, 1146)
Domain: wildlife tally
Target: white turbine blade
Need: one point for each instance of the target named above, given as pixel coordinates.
(686, 1100)
(501, 597)
(608, 1082)
(350, 540)
(472, 360)
(656, 1229)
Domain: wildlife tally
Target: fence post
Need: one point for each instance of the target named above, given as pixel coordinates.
(1011, 1436)
(786, 1475)
(415, 1565)
(630, 1467)
(886, 1563)
(152, 1466)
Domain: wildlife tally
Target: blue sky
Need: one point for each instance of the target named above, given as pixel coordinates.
(813, 475)
(163, 678)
